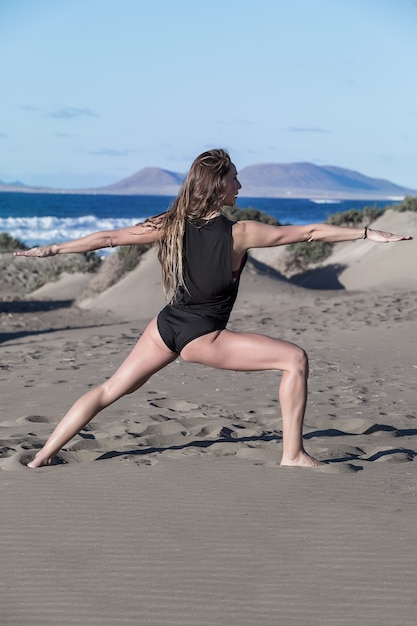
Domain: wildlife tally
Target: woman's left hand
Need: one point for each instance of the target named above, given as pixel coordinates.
(381, 236)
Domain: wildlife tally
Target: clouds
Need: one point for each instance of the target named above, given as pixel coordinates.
(30, 108)
(308, 129)
(61, 112)
(71, 113)
(111, 152)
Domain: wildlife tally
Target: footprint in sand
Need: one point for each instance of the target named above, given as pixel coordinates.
(33, 419)
(15, 455)
(173, 405)
(16, 461)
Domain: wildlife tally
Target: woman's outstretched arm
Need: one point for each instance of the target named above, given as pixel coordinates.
(133, 235)
(251, 234)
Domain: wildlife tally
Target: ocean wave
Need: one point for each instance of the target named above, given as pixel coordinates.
(324, 201)
(36, 230)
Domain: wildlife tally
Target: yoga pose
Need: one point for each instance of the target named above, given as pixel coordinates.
(202, 255)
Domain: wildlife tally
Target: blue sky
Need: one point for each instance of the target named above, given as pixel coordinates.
(94, 90)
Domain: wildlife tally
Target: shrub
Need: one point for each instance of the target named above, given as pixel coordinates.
(303, 254)
(10, 244)
(114, 267)
(93, 261)
(355, 217)
(235, 214)
(130, 256)
(408, 204)
(50, 269)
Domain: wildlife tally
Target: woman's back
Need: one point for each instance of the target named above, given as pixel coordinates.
(209, 283)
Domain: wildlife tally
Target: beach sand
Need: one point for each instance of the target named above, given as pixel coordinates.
(171, 508)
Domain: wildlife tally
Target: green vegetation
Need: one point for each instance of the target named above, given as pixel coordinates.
(93, 261)
(301, 255)
(114, 267)
(408, 204)
(51, 268)
(235, 214)
(129, 256)
(355, 218)
(10, 244)
(34, 273)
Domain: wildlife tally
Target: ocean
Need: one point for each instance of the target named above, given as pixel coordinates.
(39, 219)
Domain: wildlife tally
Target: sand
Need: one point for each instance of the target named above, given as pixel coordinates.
(171, 507)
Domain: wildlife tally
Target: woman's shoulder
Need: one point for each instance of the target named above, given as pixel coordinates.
(239, 234)
(252, 234)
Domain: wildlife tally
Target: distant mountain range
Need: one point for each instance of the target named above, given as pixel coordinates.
(268, 180)
(314, 181)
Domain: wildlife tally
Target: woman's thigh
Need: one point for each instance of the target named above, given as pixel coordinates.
(244, 351)
(149, 355)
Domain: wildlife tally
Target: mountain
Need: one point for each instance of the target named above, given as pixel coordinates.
(16, 183)
(313, 181)
(267, 180)
(150, 181)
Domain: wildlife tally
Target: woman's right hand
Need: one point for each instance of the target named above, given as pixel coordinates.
(40, 251)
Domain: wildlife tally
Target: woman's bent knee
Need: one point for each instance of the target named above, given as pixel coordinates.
(299, 360)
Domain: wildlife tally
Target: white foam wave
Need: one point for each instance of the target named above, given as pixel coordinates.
(47, 229)
(324, 201)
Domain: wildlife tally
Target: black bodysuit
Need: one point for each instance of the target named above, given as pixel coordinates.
(206, 304)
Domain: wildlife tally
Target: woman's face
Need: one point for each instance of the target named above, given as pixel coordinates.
(231, 186)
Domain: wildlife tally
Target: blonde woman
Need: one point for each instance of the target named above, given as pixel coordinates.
(202, 255)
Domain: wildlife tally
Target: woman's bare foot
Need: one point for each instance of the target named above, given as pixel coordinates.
(40, 461)
(302, 459)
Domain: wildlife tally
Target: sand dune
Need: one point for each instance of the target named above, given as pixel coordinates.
(361, 265)
(171, 508)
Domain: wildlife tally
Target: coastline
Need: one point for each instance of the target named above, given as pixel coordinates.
(250, 192)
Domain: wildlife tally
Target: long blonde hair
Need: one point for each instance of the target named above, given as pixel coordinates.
(202, 194)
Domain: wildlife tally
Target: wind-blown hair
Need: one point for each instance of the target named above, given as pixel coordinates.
(202, 194)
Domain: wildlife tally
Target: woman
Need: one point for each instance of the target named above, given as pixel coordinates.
(202, 255)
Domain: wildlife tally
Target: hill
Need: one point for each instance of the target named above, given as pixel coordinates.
(309, 180)
(149, 181)
(268, 180)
